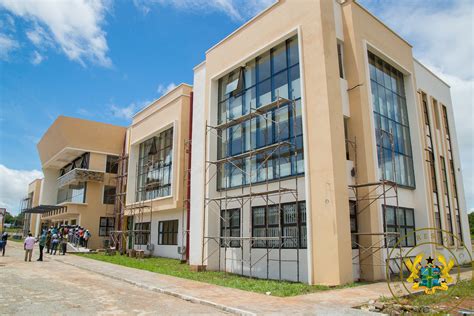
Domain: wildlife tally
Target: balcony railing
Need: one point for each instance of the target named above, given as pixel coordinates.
(80, 175)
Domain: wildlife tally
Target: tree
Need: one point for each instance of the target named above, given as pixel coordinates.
(9, 218)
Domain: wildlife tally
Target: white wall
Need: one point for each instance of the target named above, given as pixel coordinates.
(167, 251)
(49, 187)
(198, 165)
(435, 87)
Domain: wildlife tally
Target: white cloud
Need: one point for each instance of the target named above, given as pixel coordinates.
(74, 25)
(14, 185)
(162, 89)
(237, 10)
(39, 37)
(7, 46)
(442, 36)
(127, 112)
(37, 58)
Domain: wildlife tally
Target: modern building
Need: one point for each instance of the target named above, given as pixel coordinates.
(319, 144)
(32, 221)
(155, 208)
(79, 162)
(310, 148)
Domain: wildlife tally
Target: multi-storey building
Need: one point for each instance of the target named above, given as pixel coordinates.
(310, 125)
(31, 221)
(79, 162)
(156, 192)
(319, 146)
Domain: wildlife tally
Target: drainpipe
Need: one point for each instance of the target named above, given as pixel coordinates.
(188, 184)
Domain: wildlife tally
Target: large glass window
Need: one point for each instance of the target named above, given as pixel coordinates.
(155, 167)
(447, 203)
(399, 220)
(267, 221)
(454, 188)
(230, 227)
(269, 76)
(430, 160)
(168, 232)
(73, 193)
(391, 116)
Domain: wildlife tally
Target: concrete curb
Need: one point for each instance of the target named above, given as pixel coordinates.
(184, 297)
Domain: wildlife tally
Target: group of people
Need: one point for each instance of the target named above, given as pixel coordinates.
(53, 239)
(77, 235)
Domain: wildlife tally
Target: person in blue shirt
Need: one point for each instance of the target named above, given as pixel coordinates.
(3, 243)
(42, 244)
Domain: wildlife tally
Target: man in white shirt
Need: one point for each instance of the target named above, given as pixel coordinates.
(28, 246)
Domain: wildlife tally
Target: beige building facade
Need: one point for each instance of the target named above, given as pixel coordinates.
(32, 221)
(310, 146)
(302, 115)
(157, 162)
(79, 162)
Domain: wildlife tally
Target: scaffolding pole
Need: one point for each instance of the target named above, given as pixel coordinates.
(268, 193)
(376, 192)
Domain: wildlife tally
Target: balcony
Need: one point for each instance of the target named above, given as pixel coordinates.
(80, 175)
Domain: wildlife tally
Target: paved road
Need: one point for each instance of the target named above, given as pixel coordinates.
(51, 287)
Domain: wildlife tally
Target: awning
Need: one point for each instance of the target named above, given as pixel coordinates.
(40, 209)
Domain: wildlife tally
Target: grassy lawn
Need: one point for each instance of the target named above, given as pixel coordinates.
(463, 289)
(459, 296)
(175, 268)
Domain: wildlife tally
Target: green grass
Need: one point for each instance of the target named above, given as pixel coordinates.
(174, 268)
(13, 230)
(462, 289)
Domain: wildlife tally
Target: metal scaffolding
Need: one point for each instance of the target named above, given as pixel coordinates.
(261, 194)
(369, 193)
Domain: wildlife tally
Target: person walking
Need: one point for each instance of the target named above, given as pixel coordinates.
(42, 244)
(48, 241)
(3, 243)
(54, 244)
(63, 244)
(87, 235)
(81, 237)
(28, 245)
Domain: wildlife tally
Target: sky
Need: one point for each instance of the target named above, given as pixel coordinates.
(104, 60)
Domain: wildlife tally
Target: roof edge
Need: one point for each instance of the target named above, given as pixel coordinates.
(161, 97)
(243, 26)
(356, 2)
(431, 72)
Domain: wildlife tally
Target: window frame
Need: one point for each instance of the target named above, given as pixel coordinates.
(111, 164)
(140, 237)
(353, 218)
(387, 84)
(161, 170)
(112, 197)
(289, 71)
(397, 227)
(230, 228)
(172, 231)
(108, 227)
(301, 226)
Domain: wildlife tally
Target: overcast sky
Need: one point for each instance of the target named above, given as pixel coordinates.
(87, 59)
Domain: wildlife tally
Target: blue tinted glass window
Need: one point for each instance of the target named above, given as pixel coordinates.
(391, 117)
(272, 75)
